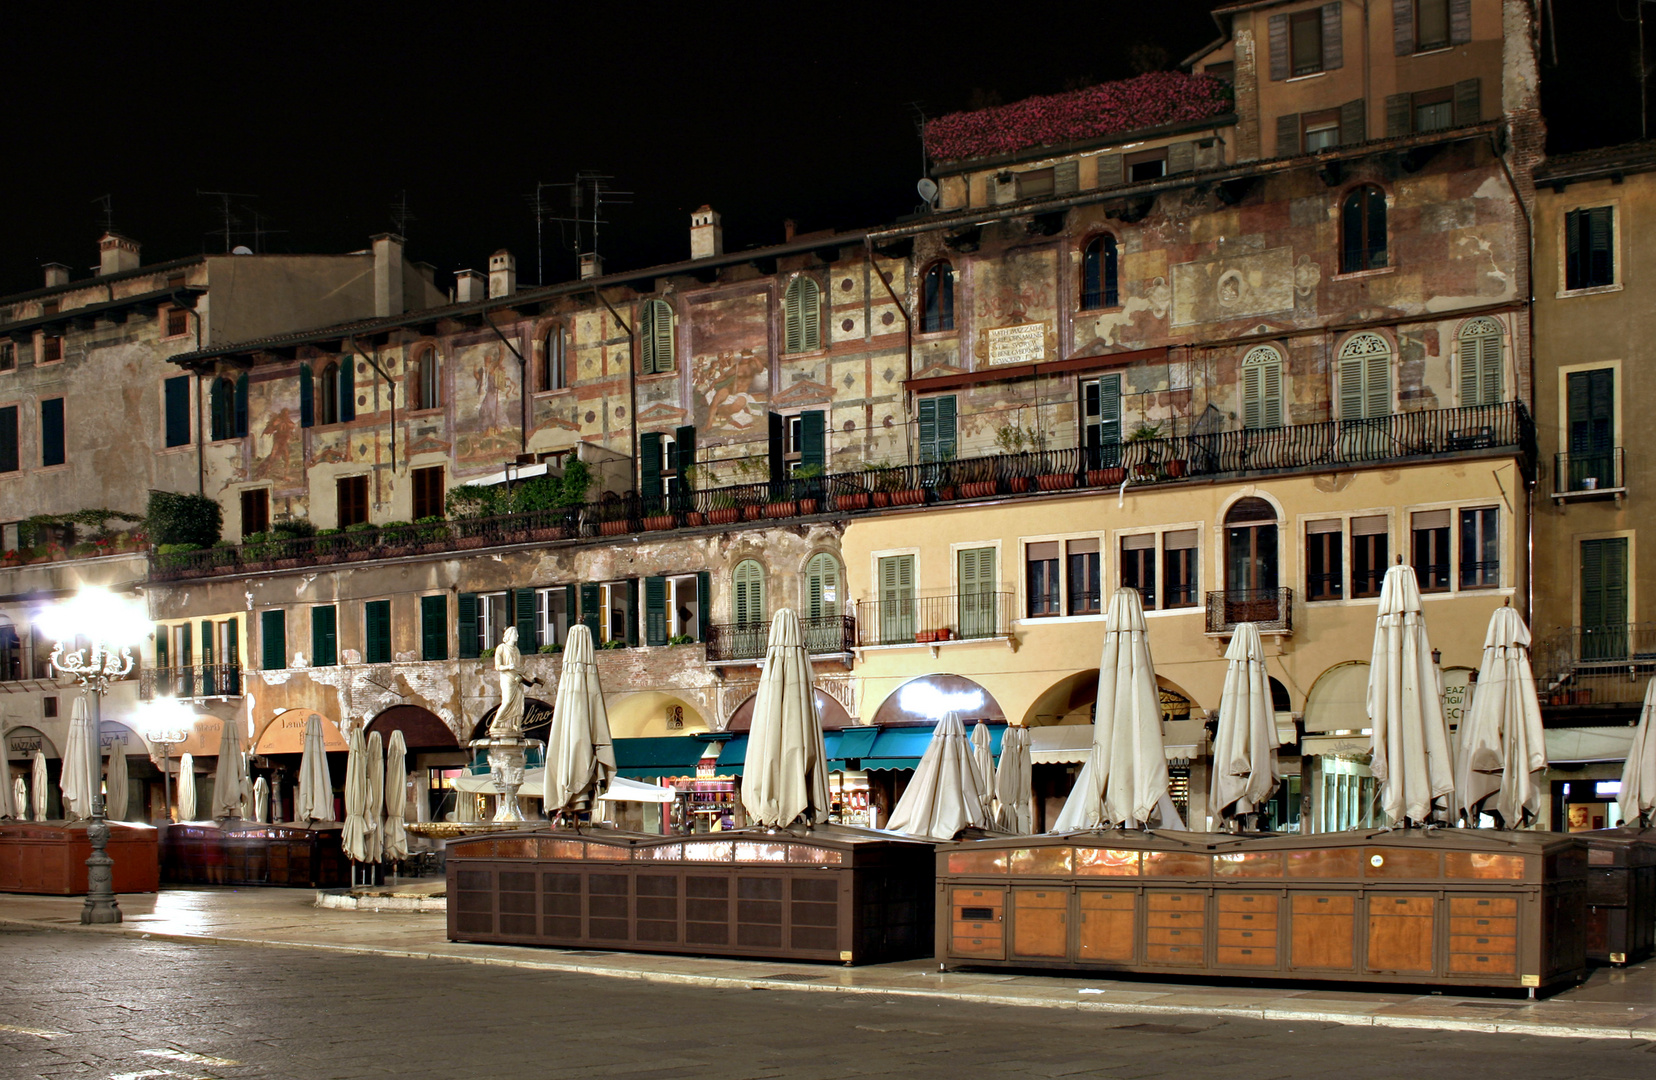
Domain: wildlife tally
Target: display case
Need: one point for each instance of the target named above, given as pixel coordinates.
(831, 893)
(1621, 894)
(49, 857)
(1449, 906)
(248, 853)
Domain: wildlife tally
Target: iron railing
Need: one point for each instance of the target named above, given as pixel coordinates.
(748, 641)
(1268, 609)
(1596, 665)
(1589, 470)
(198, 681)
(931, 619)
(1241, 453)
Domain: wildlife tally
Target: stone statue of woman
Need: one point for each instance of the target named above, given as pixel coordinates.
(508, 719)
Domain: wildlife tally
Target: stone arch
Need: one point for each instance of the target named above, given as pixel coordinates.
(922, 701)
(1070, 700)
(830, 713)
(643, 715)
(422, 729)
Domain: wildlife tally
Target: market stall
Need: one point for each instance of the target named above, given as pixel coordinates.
(239, 852)
(1621, 894)
(50, 857)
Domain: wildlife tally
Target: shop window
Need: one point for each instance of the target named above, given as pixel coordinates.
(1099, 279)
(1041, 573)
(352, 499)
(748, 593)
(1589, 251)
(428, 492)
(1429, 531)
(1084, 590)
(655, 337)
(1480, 549)
(1138, 566)
(324, 636)
(1324, 579)
(937, 299)
(1363, 230)
(1480, 363)
(1179, 578)
(1370, 555)
(255, 511)
(802, 316)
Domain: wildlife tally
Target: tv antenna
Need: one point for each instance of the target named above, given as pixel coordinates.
(588, 195)
(401, 215)
(230, 219)
(107, 203)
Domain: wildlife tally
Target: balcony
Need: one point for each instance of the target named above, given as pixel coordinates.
(825, 635)
(200, 681)
(1597, 665)
(1483, 430)
(933, 620)
(1589, 474)
(1272, 610)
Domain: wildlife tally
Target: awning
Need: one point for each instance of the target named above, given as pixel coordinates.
(646, 759)
(1579, 746)
(511, 472)
(733, 755)
(1071, 744)
(851, 744)
(901, 748)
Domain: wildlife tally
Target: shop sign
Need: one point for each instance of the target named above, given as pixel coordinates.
(1457, 695)
(114, 735)
(24, 745)
(1023, 344)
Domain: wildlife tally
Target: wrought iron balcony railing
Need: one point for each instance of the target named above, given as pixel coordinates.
(199, 681)
(927, 620)
(1596, 665)
(1269, 609)
(748, 641)
(1584, 472)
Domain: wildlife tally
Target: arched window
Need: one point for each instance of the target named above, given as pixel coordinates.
(1363, 230)
(1365, 377)
(802, 316)
(327, 405)
(427, 384)
(1480, 362)
(347, 390)
(655, 337)
(822, 587)
(937, 299)
(748, 593)
(307, 397)
(1098, 274)
(221, 406)
(552, 376)
(1262, 388)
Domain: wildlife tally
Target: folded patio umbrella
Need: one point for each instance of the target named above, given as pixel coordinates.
(115, 787)
(315, 801)
(785, 778)
(1503, 749)
(8, 792)
(20, 798)
(374, 811)
(1638, 786)
(1245, 772)
(355, 836)
(261, 800)
(943, 797)
(186, 788)
(228, 776)
(396, 798)
(37, 786)
(1409, 744)
(580, 753)
(983, 764)
(247, 785)
(1013, 787)
(80, 763)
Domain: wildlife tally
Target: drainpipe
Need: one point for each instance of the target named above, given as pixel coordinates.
(523, 385)
(1529, 305)
(391, 396)
(201, 438)
(908, 335)
(632, 386)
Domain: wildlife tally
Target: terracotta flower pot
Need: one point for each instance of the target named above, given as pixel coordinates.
(858, 501)
(612, 528)
(725, 515)
(807, 506)
(911, 497)
(1055, 481)
(1176, 467)
(659, 521)
(1017, 484)
(692, 518)
(753, 512)
(782, 508)
(977, 489)
(1110, 477)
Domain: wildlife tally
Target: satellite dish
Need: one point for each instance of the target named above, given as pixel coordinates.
(927, 187)
(241, 249)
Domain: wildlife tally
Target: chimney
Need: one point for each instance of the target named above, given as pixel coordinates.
(706, 234)
(502, 274)
(56, 274)
(116, 253)
(388, 275)
(592, 265)
(787, 230)
(470, 285)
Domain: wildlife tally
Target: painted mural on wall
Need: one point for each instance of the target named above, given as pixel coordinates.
(731, 367)
(487, 393)
(1018, 288)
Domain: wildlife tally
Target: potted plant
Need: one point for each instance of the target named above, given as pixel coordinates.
(1108, 476)
(849, 494)
(1150, 458)
(977, 480)
(330, 545)
(722, 508)
(360, 541)
(612, 517)
(808, 487)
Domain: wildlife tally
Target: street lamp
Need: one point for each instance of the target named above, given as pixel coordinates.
(166, 723)
(111, 625)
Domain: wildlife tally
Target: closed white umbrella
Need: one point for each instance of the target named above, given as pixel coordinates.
(983, 765)
(396, 797)
(37, 786)
(943, 797)
(1245, 772)
(1638, 785)
(228, 776)
(374, 811)
(1502, 749)
(355, 837)
(261, 800)
(20, 798)
(785, 778)
(247, 786)
(80, 763)
(8, 803)
(1124, 781)
(1409, 745)
(186, 788)
(315, 802)
(115, 787)
(1013, 787)
(580, 754)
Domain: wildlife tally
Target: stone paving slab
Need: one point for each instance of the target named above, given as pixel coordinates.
(1612, 1003)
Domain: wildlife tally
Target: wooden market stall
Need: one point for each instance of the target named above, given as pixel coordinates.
(832, 893)
(50, 857)
(1453, 907)
(248, 853)
(1621, 894)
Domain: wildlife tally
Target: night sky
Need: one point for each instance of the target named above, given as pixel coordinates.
(329, 114)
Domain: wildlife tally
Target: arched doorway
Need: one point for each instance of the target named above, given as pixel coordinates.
(926, 699)
(653, 714)
(1251, 562)
(434, 756)
(1069, 701)
(830, 712)
(22, 743)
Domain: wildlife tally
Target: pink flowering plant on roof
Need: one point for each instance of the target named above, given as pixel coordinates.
(1151, 100)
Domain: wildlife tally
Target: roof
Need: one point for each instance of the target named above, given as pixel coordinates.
(179, 297)
(102, 279)
(1603, 161)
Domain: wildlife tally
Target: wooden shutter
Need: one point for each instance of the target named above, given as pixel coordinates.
(1267, 395)
(632, 612)
(1250, 396)
(207, 657)
(1403, 35)
(185, 645)
(991, 191)
(1288, 135)
(1332, 48)
(812, 448)
(377, 624)
(1600, 262)
(655, 611)
(661, 335)
(161, 633)
(10, 460)
(1279, 47)
(1181, 157)
(324, 636)
(1399, 115)
(946, 442)
(1354, 122)
(928, 428)
(1468, 109)
(1603, 586)
(1492, 369)
(1377, 385)
(51, 432)
(791, 321)
(704, 603)
(1066, 177)
(1109, 410)
(1460, 21)
(896, 599)
(1591, 410)
(528, 627)
(1480, 369)
(976, 584)
(232, 643)
(776, 447)
(240, 429)
(591, 613)
(649, 470)
(434, 627)
(572, 608)
(822, 597)
(307, 397)
(749, 593)
(466, 624)
(1109, 170)
(684, 450)
(272, 641)
(804, 316)
(1351, 388)
(177, 392)
(347, 390)
(1572, 249)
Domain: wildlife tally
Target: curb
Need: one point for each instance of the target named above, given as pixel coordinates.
(1491, 1026)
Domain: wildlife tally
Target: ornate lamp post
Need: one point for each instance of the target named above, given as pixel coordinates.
(110, 624)
(166, 723)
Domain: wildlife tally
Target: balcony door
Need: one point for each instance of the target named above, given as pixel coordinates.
(896, 599)
(976, 577)
(1101, 417)
(1604, 599)
(1251, 562)
(1591, 414)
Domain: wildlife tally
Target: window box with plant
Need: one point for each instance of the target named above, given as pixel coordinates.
(807, 485)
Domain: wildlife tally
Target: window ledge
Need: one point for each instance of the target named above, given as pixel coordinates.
(934, 646)
(1356, 275)
(1594, 290)
(1435, 50)
(1588, 495)
(1303, 78)
(434, 410)
(549, 393)
(1263, 632)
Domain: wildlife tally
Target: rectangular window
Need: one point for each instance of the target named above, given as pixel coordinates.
(614, 601)
(1434, 110)
(434, 627)
(255, 511)
(552, 614)
(1370, 554)
(937, 428)
(376, 637)
(1041, 563)
(1431, 20)
(1323, 577)
(1035, 183)
(1138, 566)
(1590, 416)
(178, 321)
(177, 408)
(10, 459)
(272, 641)
(1589, 256)
(353, 500)
(1146, 165)
(1085, 590)
(1603, 619)
(51, 348)
(1179, 568)
(975, 581)
(324, 636)
(1225, 69)
(1101, 420)
(8, 356)
(1430, 549)
(428, 492)
(684, 604)
(494, 615)
(1305, 32)
(896, 599)
(1320, 130)
(51, 432)
(1480, 550)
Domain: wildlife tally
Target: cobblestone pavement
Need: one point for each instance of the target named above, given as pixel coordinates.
(109, 1006)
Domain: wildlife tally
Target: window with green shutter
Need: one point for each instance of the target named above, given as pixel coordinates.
(704, 600)
(307, 397)
(802, 316)
(523, 617)
(1590, 416)
(592, 611)
(748, 593)
(655, 611)
(822, 587)
(655, 337)
(976, 592)
(1101, 420)
(176, 392)
(650, 470)
(434, 627)
(1604, 598)
(1365, 377)
(324, 636)
(1589, 248)
(1262, 388)
(937, 428)
(466, 638)
(1480, 363)
(376, 624)
(272, 641)
(896, 599)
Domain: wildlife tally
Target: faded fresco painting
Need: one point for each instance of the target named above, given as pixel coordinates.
(731, 367)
